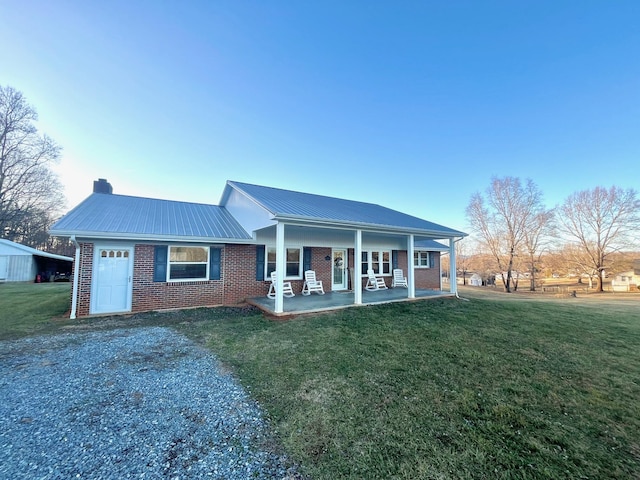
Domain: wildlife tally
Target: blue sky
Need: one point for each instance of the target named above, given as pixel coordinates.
(412, 105)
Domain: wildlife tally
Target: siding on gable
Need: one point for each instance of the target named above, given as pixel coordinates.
(248, 214)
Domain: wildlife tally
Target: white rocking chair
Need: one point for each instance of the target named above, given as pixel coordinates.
(287, 291)
(311, 284)
(399, 280)
(375, 283)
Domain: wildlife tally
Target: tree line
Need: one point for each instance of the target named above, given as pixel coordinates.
(513, 228)
(31, 196)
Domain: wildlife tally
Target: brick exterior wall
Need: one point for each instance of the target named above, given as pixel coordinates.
(84, 284)
(425, 278)
(322, 267)
(150, 295)
(239, 274)
(428, 278)
(238, 279)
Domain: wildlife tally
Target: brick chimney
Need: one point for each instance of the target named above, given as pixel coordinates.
(102, 186)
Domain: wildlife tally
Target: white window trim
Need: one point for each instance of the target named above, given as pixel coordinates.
(286, 247)
(182, 280)
(380, 261)
(423, 253)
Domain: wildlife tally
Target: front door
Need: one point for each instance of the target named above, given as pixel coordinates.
(111, 286)
(339, 272)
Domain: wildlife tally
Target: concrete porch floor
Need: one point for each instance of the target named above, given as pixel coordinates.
(337, 300)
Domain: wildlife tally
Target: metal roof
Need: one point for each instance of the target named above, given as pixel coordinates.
(287, 204)
(33, 251)
(431, 245)
(122, 216)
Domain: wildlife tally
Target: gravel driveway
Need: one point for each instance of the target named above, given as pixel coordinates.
(135, 403)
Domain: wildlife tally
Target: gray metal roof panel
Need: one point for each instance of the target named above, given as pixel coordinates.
(122, 214)
(34, 251)
(287, 203)
(430, 245)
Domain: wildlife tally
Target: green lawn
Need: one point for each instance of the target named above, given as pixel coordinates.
(447, 388)
(439, 389)
(27, 308)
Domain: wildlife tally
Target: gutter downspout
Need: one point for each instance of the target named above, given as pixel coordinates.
(76, 278)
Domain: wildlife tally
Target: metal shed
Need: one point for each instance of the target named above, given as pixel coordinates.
(19, 263)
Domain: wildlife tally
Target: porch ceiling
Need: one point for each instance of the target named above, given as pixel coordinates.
(315, 235)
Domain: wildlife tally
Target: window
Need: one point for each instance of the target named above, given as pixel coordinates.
(293, 260)
(188, 263)
(378, 261)
(421, 259)
(114, 253)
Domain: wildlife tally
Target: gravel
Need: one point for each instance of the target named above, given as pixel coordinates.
(130, 403)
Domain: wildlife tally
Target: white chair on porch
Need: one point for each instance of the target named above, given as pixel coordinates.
(375, 283)
(399, 280)
(311, 284)
(287, 291)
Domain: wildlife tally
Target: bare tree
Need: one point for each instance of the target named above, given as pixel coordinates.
(536, 237)
(29, 190)
(600, 222)
(501, 219)
(462, 260)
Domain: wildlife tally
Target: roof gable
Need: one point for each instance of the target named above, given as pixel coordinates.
(291, 205)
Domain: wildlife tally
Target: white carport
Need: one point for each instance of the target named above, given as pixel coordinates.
(19, 263)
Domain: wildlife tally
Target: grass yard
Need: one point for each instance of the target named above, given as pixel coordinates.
(447, 388)
(494, 387)
(26, 308)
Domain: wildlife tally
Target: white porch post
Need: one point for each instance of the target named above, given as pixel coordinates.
(357, 268)
(280, 267)
(440, 272)
(410, 268)
(453, 277)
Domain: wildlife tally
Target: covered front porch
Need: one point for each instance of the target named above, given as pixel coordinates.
(338, 300)
(376, 250)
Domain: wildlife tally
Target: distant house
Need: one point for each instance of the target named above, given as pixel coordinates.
(19, 263)
(475, 280)
(626, 281)
(136, 254)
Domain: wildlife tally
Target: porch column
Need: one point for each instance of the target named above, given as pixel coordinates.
(280, 267)
(411, 278)
(453, 278)
(357, 268)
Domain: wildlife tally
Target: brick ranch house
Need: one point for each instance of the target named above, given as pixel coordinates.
(137, 254)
